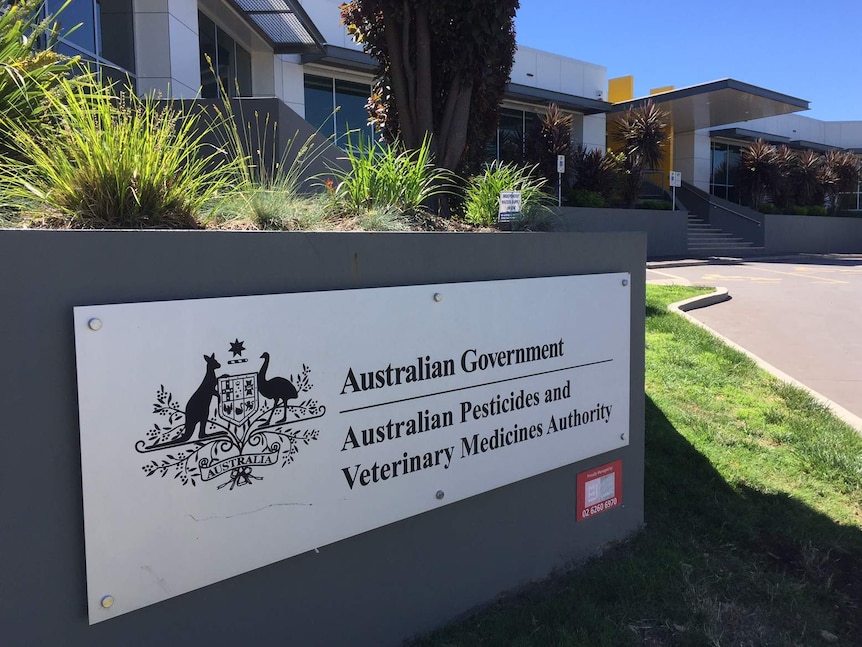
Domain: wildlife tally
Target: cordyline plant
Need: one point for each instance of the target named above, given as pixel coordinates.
(442, 70)
(553, 138)
(644, 132)
(840, 173)
(807, 190)
(759, 172)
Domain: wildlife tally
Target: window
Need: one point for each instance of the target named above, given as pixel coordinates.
(223, 62)
(723, 180)
(852, 200)
(515, 133)
(105, 35)
(337, 108)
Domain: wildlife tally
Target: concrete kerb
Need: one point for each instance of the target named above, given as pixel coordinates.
(722, 294)
(734, 260)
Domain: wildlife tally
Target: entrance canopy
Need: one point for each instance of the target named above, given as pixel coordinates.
(282, 23)
(718, 103)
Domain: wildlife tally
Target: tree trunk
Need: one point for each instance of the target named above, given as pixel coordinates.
(424, 97)
(398, 65)
(456, 137)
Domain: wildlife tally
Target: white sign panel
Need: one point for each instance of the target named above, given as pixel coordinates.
(510, 205)
(561, 163)
(676, 178)
(222, 435)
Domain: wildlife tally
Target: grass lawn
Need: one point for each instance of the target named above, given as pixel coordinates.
(753, 516)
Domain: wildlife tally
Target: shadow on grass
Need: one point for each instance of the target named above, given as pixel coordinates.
(767, 568)
(716, 564)
(652, 311)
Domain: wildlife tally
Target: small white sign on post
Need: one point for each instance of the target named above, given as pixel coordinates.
(675, 181)
(561, 168)
(510, 206)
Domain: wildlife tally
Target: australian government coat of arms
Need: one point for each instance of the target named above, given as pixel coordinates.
(235, 424)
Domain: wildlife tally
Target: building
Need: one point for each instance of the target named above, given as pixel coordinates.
(296, 51)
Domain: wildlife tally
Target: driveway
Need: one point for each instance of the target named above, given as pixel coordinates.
(803, 316)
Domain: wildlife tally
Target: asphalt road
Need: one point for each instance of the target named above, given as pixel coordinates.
(803, 316)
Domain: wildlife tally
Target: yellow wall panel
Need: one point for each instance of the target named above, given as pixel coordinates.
(621, 88)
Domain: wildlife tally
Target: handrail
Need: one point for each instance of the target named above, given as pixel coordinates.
(708, 197)
(735, 213)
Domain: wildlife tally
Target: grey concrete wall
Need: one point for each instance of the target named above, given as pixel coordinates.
(374, 589)
(667, 231)
(812, 234)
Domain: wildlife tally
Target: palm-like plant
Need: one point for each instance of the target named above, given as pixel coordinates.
(840, 173)
(644, 133)
(786, 161)
(807, 190)
(553, 137)
(759, 172)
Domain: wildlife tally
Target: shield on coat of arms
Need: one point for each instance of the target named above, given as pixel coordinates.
(239, 397)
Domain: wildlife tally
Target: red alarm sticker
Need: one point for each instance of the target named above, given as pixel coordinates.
(600, 489)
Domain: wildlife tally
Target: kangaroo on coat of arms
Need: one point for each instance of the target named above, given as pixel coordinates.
(238, 433)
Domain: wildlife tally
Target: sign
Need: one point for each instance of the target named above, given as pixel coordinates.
(561, 163)
(510, 206)
(676, 178)
(600, 489)
(222, 435)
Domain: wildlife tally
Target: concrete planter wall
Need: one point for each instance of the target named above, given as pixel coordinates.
(373, 589)
(812, 234)
(667, 233)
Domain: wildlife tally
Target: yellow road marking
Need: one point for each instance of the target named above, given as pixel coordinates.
(821, 279)
(826, 270)
(737, 277)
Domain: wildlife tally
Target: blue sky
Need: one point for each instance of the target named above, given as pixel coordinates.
(809, 50)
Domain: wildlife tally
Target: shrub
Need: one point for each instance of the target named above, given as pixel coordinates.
(261, 208)
(816, 210)
(115, 160)
(381, 175)
(26, 71)
(596, 172)
(578, 197)
(266, 194)
(482, 196)
(656, 205)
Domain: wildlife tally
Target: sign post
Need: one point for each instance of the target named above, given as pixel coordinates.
(561, 168)
(675, 181)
